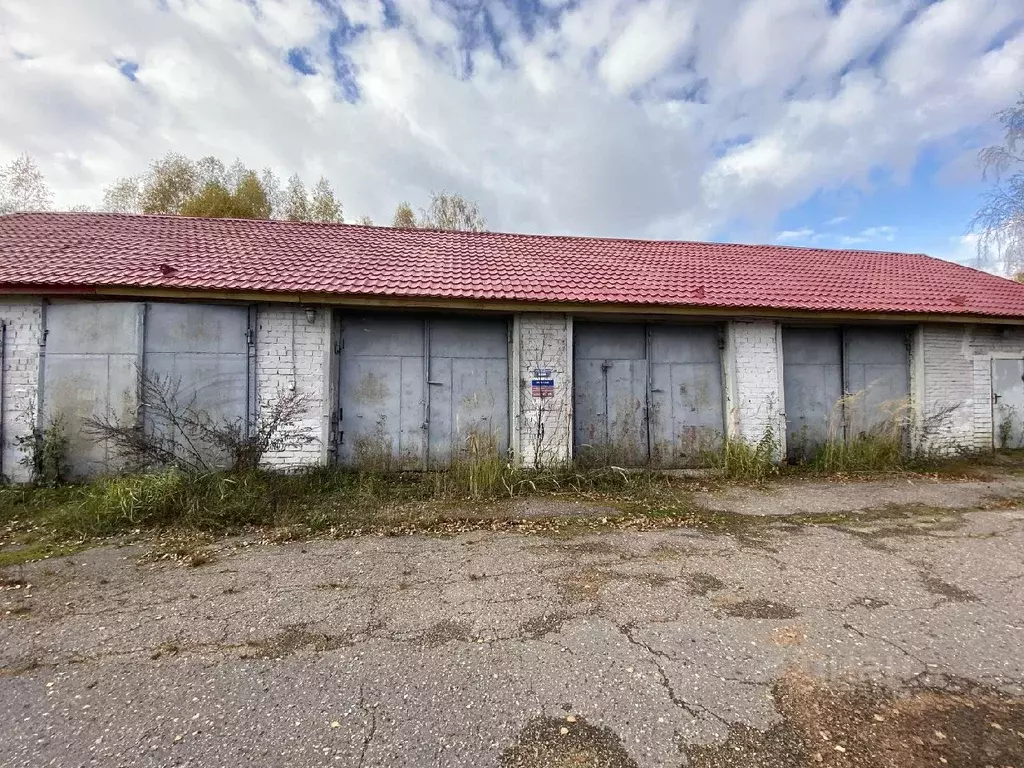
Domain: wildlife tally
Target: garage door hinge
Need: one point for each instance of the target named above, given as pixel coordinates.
(250, 337)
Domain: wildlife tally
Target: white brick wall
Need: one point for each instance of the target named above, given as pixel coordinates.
(754, 394)
(957, 376)
(294, 355)
(543, 426)
(23, 319)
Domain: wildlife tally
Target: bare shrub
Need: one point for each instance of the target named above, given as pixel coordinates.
(44, 450)
(180, 434)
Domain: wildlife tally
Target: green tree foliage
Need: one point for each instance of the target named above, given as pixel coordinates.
(366, 221)
(446, 211)
(175, 184)
(404, 217)
(123, 196)
(170, 183)
(1000, 221)
(247, 201)
(454, 212)
(275, 195)
(296, 201)
(214, 201)
(23, 187)
(251, 199)
(323, 207)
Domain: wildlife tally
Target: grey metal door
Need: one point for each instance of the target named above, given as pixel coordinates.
(877, 379)
(468, 388)
(200, 352)
(419, 391)
(686, 410)
(812, 374)
(1008, 403)
(610, 393)
(383, 421)
(90, 369)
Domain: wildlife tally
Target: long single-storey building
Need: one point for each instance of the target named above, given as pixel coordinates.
(417, 342)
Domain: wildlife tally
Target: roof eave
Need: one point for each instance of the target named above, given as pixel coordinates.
(502, 305)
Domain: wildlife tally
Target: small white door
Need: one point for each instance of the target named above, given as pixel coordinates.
(1008, 403)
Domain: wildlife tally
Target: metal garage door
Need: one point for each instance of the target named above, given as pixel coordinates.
(201, 352)
(868, 364)
(1008, 403)
(877, 367)
(812, 378)
(90, 369)
(416, 392)
(686, 393)
(646, 392)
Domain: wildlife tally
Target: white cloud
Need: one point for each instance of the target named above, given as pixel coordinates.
(876, 235)
(580, 126)
(879, 233)
(652, 36)
(794, 234)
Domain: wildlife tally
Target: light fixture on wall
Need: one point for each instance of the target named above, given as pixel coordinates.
(311, 315)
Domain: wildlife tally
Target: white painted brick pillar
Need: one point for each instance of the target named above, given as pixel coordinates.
(23, 319)
(294, 354)
(541, 426)
(755, 400)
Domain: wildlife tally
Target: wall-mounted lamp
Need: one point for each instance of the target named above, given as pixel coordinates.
(311, 315)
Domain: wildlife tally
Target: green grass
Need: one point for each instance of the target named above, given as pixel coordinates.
(318, 500)
(475, 493)
(744, 462)
(38, 551)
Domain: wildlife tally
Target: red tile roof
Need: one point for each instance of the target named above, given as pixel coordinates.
(63, 251)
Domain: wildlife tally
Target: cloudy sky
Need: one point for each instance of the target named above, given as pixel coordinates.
(811, 122)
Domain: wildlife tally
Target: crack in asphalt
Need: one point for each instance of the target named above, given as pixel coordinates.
(690, 708)
(886, 641)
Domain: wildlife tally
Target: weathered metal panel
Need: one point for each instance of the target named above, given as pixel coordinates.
(382, 390)
(418, 391)
(687, 405)
(877, 369)
(1008, 403)
(812, 375)
(468, 387)
(610, 393)
(200, 353)
(90, 369)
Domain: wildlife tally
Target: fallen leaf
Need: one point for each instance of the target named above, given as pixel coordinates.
(563, 730)
(570, 719)
(335, 724)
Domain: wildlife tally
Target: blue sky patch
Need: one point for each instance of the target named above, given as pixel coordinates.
(299, 60)
(127, 67)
